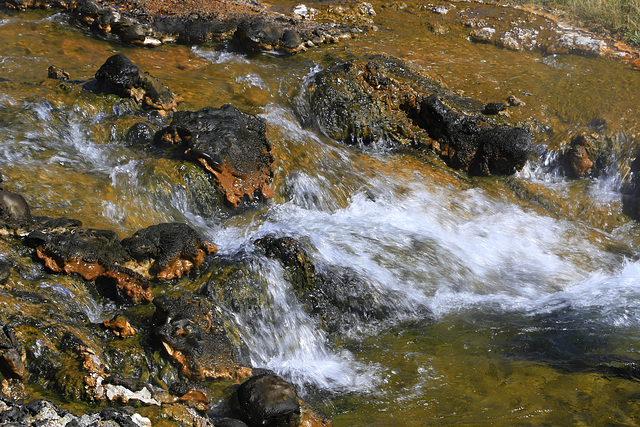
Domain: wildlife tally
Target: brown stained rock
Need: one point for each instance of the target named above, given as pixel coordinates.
(193, 335)
(130, 283)
(13, 390)
(169, 250)
(57, 73)
(233, 146)
(576, 158)
(152, 22)
(162, 252)
(12, 355)
(196, 399)
(120, 326)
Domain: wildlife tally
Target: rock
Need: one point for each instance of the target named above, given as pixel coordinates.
(577, 159)
(194, 337)
(494, 108)
(123, 77)
(515, 102)
(233, 146)
(257, 35)
(472, 145)
(41, 412)
(358, 102)
(120, 326)
(14, 212)
(95, 255)
(121, 268)
(170, 249)
(54, 72)
(338, 297)
(140, 133)
(380, 101)
(12, 355)
(577, 43)
(249, 23)
(5, 271)
(482, 35)
(268, 400)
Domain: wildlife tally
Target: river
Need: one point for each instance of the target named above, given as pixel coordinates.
(515, 299)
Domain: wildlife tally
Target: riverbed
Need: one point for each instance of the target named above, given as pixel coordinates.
(515, 298)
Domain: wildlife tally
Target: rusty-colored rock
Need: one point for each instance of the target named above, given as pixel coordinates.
(193, 336)
(233, 146)
(120, 326)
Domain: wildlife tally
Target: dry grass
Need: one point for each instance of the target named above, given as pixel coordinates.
(621, 18)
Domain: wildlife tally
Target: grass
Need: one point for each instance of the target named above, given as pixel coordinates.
(620, 18)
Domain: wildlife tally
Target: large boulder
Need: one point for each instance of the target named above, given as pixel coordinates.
(377, 101)
(193, 335)
(233, 146)
(121, 76)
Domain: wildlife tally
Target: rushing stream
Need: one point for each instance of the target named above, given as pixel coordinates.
(514, 299)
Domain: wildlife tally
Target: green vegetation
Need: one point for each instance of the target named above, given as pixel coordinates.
(620, 18)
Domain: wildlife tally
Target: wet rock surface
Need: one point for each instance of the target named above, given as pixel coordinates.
(163, 251)
(123, 77)
(268, 400)
(339, 298)
(229, 144)
(43, 412)
(366, 102)
(12, 355)
(194, 337)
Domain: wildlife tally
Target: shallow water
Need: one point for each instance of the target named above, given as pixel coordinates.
(515, 299)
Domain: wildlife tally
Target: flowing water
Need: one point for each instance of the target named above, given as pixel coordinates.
(515, 299)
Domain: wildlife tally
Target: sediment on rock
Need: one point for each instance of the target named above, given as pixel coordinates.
(231, 145)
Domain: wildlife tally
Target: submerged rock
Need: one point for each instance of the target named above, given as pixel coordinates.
(123, 77)
(339, 297)
(193, 335)
(233, 146)
(372, 101)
